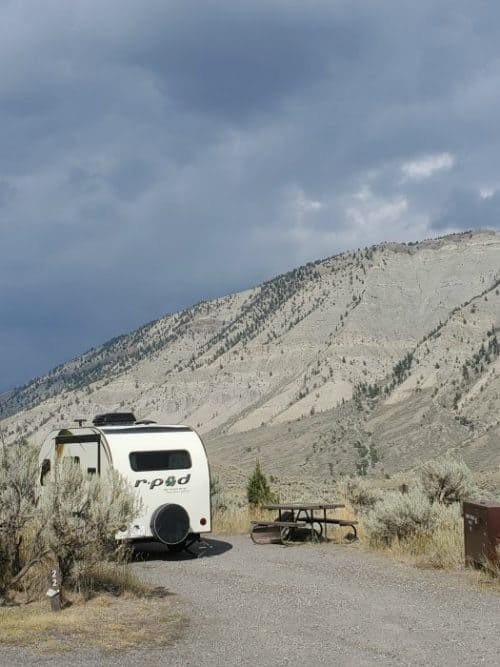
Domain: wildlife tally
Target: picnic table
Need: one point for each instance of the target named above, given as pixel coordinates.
(298, 519)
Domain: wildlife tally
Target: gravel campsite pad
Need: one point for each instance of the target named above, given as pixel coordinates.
(306, 605)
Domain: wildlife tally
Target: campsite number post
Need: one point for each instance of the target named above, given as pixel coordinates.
(54, 592)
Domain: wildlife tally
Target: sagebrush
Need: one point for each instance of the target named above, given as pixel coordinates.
(399, 515)
(81, 516)
(447, 480)
(72, 523)
(21, 544)
(360, 493)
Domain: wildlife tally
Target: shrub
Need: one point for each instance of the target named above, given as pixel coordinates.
(20, 545)
(446, 480)
(73, 522)
(360, 493)
(399, 515)
(217, 498)
(81, 516)
(442, 546)
(258, 489)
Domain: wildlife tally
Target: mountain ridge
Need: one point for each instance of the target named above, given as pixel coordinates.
(347, 346)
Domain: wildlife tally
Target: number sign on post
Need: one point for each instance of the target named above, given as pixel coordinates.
(54, 592)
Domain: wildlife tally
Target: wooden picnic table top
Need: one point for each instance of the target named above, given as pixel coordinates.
(302, 506)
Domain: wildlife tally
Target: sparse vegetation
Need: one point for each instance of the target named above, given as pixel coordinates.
(425, 524)
(72, 524)
(368, 457)
(361, 494)
(307, 345)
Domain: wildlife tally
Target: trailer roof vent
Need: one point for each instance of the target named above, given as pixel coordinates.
(114, 419)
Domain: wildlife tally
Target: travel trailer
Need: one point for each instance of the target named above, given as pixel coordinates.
(167, 465)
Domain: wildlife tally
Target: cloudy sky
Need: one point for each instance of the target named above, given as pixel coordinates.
(157, 153)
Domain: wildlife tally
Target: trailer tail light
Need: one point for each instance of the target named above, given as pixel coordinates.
(203, 521)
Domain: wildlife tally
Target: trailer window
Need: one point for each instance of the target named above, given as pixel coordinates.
(44, 471)
(173, 459)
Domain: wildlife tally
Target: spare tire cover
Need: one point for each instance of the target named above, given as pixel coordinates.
(170, 524)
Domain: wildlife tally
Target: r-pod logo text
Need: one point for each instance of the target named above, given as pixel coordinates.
(169, 481)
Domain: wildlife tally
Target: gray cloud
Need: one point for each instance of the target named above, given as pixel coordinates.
(158, 153)
(468, 209)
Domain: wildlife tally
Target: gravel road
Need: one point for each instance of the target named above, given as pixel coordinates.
(310, 605)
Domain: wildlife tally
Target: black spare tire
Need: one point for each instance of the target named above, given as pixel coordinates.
(170, 524)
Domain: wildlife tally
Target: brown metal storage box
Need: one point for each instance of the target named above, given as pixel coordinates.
(481, 532)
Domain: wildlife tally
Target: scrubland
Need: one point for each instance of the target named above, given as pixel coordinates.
(71, 527)
(415, 517)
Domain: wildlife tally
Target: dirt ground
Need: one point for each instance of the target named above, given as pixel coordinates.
(309, 604)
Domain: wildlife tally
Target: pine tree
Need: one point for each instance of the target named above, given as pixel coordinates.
(258, 489)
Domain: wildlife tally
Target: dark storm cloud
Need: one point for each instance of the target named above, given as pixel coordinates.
(157, 153)
(468, 209)
(234, 60)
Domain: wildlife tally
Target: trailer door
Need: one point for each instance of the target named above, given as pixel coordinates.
(85, 450)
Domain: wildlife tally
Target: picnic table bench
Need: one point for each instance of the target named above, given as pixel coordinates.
(298, 520)
(268, 532)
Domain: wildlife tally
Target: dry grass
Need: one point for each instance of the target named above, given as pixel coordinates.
(106, 622)
(489, 577)
(125, 613)
(114, 577)
(443, 548)
(237, 520)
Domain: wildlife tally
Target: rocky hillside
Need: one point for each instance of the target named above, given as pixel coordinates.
(369, 360)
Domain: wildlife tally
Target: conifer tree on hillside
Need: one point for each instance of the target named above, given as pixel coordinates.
(258, 489)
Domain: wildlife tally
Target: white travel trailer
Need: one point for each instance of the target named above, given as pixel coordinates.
(167, 465)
